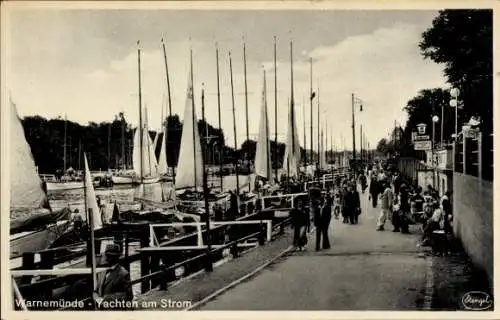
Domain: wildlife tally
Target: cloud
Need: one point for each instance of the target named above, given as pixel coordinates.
(383, 68)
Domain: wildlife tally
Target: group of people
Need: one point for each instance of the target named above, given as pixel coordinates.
(404, 205)
(342, 197)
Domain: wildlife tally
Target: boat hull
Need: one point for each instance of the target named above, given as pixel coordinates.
(122, 180)
(53, 186)
(146, 180)
(37, 240)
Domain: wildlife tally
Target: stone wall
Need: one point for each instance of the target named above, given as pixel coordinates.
(473, 219)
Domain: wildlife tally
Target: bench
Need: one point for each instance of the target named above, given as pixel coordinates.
(440, 242)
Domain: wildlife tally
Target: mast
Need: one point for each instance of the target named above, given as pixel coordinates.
(361, 142)
(353, 131)
(209, 266)
(234, 125)
(140, 109)
(275, 113)
(319, 151)
(219, 114)
(292, 113)
(246, 100)
(64, 156)
(123, 141)
(268, 156)
(304, 131)
(109, 145)
(169, 103)
(311, 101)
(195, 125)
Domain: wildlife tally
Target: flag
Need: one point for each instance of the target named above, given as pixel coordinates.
(313, 94)
(360, 107)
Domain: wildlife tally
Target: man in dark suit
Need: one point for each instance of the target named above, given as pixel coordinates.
(114, 289)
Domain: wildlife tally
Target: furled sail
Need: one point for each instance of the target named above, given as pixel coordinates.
(149, 163)
(162, 161)
(292, 150)
(322, 154)
(263, 154)
(190, 165)
(90, 197)
(26, 190)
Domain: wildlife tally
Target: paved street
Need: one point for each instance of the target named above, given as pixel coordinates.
(364, 270)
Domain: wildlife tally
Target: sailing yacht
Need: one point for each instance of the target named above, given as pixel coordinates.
(40, 225)
(263, 168)
(189, 178)
(144, 158)
(292, 151)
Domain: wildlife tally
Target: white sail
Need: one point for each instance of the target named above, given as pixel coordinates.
(292, 150)
(190, 163)
(263, 154)
(90, 198)
(149, 163)
(25, 185)
(162, 161)
(322, 155)
(151, 157)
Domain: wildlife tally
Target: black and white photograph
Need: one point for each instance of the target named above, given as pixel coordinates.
(210, 156)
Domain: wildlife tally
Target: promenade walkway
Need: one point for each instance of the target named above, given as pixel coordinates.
(365, 269)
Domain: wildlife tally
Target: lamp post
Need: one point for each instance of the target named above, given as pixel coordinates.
(454, 93)
(435, 119)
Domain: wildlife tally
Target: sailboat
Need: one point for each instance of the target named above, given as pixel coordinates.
(263, 168)
(40, 225)
(66, 181)
(144, 159)
(292, 151)
(189, 178)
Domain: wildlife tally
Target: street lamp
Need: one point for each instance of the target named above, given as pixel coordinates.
(454, 93)
(435, 119)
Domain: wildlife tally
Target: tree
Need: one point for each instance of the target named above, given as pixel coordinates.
(462, 40)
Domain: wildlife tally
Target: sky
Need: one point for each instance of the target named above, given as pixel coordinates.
(83, 63)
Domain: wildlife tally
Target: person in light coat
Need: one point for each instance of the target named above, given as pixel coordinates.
(386, 206)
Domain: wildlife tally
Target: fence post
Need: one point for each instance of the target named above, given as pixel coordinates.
(46, 262)
(261, 234)
(28, 264)
(145, 266)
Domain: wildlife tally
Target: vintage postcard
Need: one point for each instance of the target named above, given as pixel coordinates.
(321, 159)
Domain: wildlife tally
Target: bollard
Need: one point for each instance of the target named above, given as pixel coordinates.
(46, 262)
(145, 266)
(261, 234)
(155, 266)
(28, 264)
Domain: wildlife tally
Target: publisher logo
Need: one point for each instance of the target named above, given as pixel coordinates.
(477, 300)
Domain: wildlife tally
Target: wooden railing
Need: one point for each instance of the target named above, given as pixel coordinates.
(157, 267)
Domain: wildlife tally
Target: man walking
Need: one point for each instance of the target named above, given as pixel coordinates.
(326, 217)
(386, 206)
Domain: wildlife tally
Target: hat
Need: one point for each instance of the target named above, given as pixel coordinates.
(112, 250)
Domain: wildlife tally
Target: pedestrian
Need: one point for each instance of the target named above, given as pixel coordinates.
(316, 210)
(404, 209)
(326, 217)
(435, 222)
(374, 191)
(345, 205)
(397, 183)
(386, 206)
(299, 220)
(114, 285)
(352, 204)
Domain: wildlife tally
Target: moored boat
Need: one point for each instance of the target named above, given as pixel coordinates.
(34, 226)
